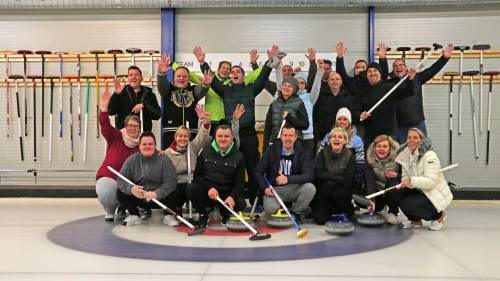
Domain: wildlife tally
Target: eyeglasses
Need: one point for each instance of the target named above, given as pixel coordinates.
(133, 126)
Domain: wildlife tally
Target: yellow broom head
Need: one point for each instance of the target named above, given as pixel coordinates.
(302, 233)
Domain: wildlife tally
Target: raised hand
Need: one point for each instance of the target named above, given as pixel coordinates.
(273, 52)
(207, 78)
(117, 85)
(164, 63)
(254, 56)
(412, 73)
(321, 64)
(199, 54)
(311, 54)
(448, 51)
(341, 50)
(381, 50)
(105, 98)
(238, 112)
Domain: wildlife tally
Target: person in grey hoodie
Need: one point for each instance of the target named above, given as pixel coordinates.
(154, 177)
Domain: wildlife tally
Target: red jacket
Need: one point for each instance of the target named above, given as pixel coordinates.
(117, 152)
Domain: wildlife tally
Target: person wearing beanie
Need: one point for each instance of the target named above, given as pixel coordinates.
(353, 83)
(287, 108)
(382, 121)
(355, 143)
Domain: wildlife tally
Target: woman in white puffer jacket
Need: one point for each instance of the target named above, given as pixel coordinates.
(424, 191)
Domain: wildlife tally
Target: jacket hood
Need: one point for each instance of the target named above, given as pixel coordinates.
(371, 157)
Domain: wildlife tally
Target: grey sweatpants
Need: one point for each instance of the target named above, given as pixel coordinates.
(106, 194)
(300, 194)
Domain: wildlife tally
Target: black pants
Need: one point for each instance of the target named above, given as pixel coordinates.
(391, 198)
(250, 148)
(131, 203)
(330, 199)
(415, 205)
(198, 195)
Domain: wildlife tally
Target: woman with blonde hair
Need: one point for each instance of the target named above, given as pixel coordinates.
(424, 191)
(334, 171)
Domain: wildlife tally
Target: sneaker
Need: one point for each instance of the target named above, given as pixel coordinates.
(438, 224)
(297, 217)
(121, 213)
(131, 220)
(406, 224)
(391, 219)
(146, 214)
(109, 217)
(170, 220)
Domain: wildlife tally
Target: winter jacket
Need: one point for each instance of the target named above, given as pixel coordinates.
(121, 105)
(427, 175)
(297, 117)
(374, 173)
(179, 104)
(224, 172)
(116, 150)
(341, 171)
(180, 159)
(269, 165)
(232, 95)
(410, 111)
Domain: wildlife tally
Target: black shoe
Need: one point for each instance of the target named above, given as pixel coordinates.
(297, 217)
(203, 220)
(146, 214)
(121, 213)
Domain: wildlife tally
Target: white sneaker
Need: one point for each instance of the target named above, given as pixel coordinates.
(438, 224)
(132, 220)
(406, 224)
(170, 220)
(392, 219)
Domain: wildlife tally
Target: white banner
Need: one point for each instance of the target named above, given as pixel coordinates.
(243, 59)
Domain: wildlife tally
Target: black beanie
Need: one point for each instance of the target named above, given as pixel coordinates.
(374, 65)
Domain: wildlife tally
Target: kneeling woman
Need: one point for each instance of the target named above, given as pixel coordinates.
(120, 145)
(381, 173)
(424, 191)
(178, 153)
(335, 174)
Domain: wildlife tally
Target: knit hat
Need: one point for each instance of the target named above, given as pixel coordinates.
(374, 65)
(300, 75)
(292, 81)
(345, 113)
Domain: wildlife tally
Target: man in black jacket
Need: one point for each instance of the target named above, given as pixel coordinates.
(289, 167)
(132, 99)
(410, 111)
(219, 172)
(382, 121)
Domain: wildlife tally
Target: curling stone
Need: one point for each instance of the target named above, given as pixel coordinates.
(279, 220)
(234, 224)
(339, 225)
(371, 219)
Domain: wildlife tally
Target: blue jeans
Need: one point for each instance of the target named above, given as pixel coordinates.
(403, 131)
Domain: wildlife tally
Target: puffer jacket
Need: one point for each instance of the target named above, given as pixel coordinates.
(427, 175)
(375, 178)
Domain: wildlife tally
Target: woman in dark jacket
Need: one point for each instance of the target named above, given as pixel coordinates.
(335, 174)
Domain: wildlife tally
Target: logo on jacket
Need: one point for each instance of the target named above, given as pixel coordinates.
(182, 97)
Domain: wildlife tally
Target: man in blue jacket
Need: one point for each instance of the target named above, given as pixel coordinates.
(289, 166)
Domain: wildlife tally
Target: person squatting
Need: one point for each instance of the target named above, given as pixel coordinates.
(322, 143)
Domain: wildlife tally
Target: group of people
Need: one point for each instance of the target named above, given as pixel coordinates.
(322, 143)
